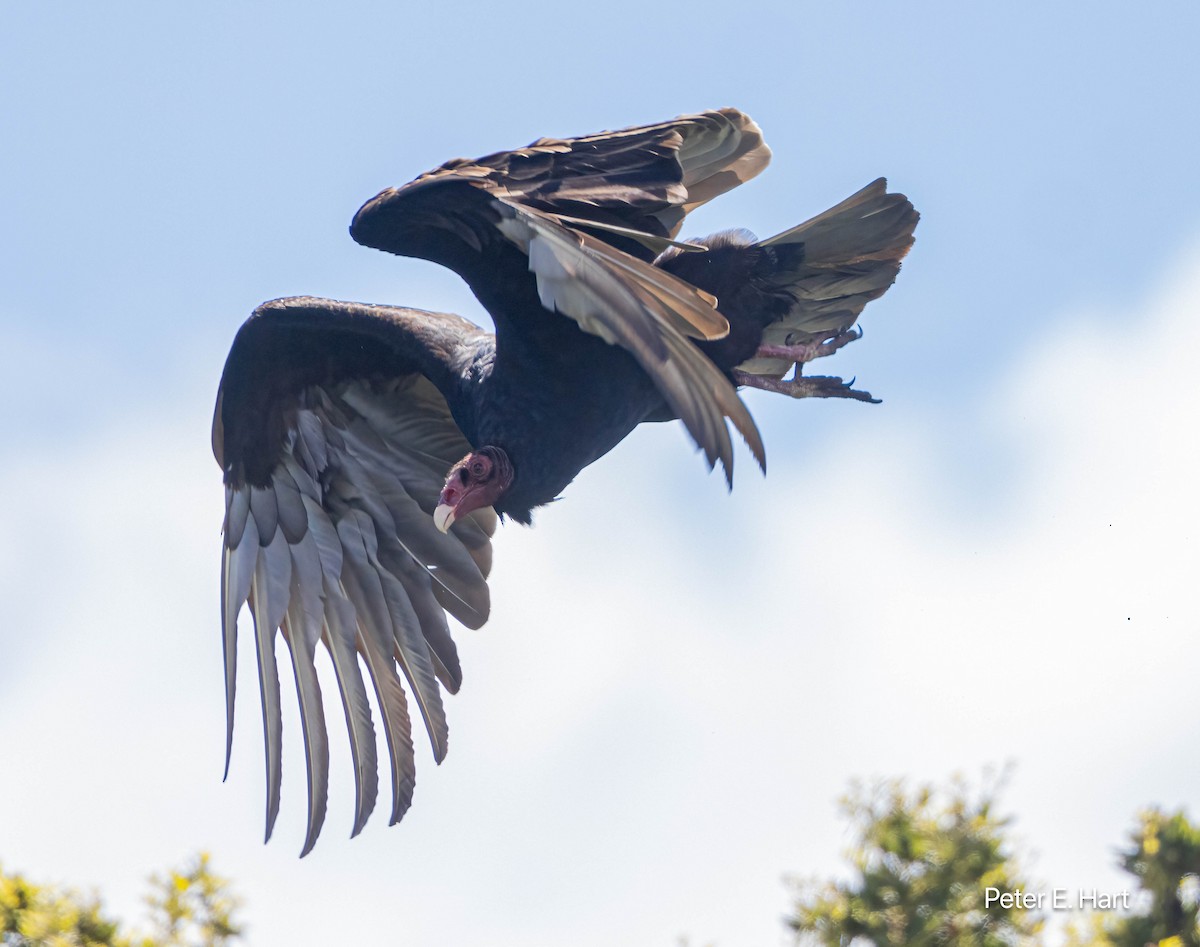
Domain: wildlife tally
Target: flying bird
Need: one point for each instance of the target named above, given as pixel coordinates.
(368, 451)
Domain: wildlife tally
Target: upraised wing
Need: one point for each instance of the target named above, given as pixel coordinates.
(644, 179)
(571, 225)
(334, 452)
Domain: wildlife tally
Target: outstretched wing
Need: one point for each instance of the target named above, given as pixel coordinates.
(571, 226)
(334, 431)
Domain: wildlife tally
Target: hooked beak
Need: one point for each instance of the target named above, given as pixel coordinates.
(443, 517)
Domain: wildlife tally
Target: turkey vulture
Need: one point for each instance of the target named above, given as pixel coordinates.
(368, 450)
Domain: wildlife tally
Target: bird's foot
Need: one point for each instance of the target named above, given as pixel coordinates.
(805, 386)
(801, 354)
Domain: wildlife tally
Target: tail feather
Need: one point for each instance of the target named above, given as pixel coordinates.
(850, 255)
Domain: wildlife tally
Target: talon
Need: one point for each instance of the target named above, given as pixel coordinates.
(807, 386)
(807, 351)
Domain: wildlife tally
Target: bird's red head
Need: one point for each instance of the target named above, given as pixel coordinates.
(476, 481)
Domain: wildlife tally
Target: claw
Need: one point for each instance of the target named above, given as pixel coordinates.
(807, 351)
(805, 386)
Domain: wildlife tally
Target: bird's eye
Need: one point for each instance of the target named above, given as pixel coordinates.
(479, 468)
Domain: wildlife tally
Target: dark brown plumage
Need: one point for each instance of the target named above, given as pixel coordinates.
(367, 449)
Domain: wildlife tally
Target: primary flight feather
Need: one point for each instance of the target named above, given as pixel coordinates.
(368, 449)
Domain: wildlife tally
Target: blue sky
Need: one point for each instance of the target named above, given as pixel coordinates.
(997, 563)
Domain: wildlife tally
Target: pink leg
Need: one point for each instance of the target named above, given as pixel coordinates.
(805, 386)
(810, 386)
(806, 353)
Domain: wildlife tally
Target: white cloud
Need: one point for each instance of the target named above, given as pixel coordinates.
(675, 685)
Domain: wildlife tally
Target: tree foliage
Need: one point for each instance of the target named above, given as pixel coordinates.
(922, 862)
(190, 907)
(1163, 854)
(193, 906)
(37, 914)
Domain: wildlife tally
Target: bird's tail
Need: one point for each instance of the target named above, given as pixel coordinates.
(833, 265)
